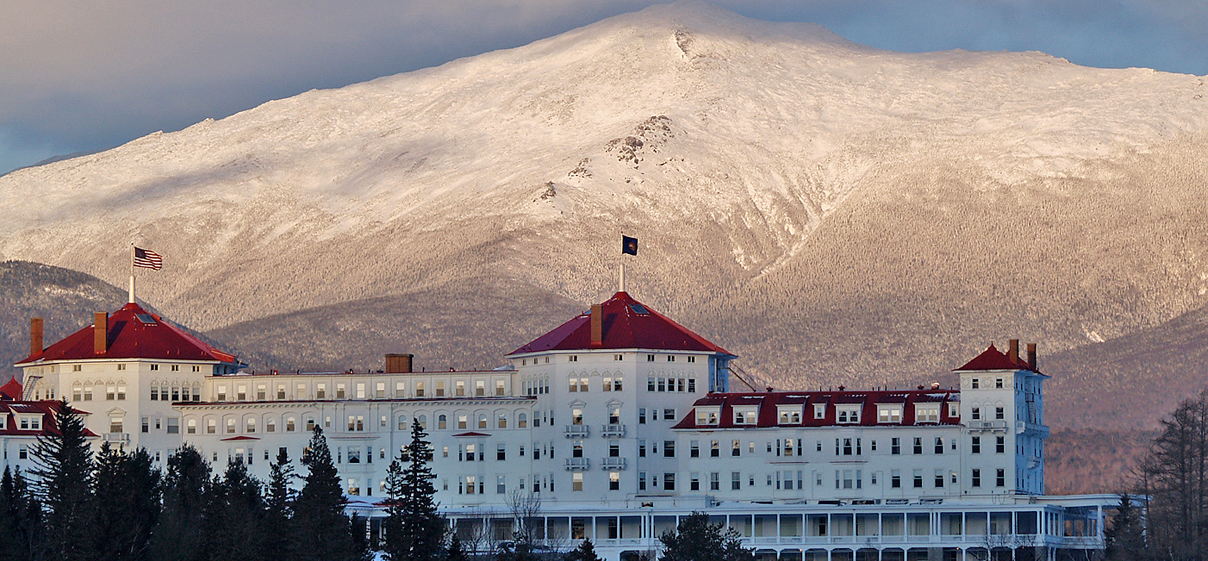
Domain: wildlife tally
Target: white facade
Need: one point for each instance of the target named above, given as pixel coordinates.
(619, 442)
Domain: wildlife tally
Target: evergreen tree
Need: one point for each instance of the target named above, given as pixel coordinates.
(128, 504)
(414, 529)
(695, 539)
(234, 514)
(65, 476)
(278, 516)
(320, 526)
(360, 538)
(585, 552)
(20, 518)
(1125, 534)
(455, 553)
(1175, 478)
(177, 535)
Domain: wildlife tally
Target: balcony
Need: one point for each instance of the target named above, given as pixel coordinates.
(576, 431)
(577, 464)
(611, 430)
(612, 463)
(987, 426)
(117, 437)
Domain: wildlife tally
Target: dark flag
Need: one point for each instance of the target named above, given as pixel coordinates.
(629, 245)
(147, 259)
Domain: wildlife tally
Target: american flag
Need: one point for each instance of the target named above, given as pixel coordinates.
(147, 259)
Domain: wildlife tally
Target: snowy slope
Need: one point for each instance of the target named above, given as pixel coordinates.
(830, 211)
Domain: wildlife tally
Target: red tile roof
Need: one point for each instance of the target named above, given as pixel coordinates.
(993, 359)
(11, 391)
(803, 402)
(628, 324)
(48, 410)
(133, 333)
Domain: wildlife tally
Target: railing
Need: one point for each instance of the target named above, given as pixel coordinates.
(576, 431)
(576, 464)
(988, 426)
(612, 430)
(119, 437)
(612, 463)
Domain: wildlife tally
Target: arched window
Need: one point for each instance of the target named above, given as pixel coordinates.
(482, 420)
(442, 422)
(191, 426)
(503, 420)
(402, 422)
(423, 421)
(522, 421)
(289, 424)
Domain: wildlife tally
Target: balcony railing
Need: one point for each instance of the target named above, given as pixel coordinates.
(577, 464)
(576, 431)
(612, 430)
(118, 437)
(612, 463)
(988, 426)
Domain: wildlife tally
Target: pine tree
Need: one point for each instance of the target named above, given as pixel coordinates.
(177, 535)
(65, 476)
(321, 528)
(585, 552)
(455, 553)
(234, 515)
(128, 504)
(695, 539)
(1125, 534)
(278, 516)
(414, 529)
(20, 518)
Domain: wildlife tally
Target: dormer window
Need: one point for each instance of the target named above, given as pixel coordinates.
(745, 414)
(975, 383)
(889, 413)
(929, 413)
(707, 415)
(819, 410)
(847, 414)
(789, 415)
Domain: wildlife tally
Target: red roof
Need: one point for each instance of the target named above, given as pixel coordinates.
(628, 324)
(770, 403)
(993, 359)
(47, 409)
(133, 333)
(11, 391)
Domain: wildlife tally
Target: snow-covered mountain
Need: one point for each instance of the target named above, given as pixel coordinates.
(831, 212)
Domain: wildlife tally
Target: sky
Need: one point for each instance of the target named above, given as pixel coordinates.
(88, 75)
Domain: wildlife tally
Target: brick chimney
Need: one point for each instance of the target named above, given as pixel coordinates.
(35, 336)
(100, 332)
(1013, 350)
(597, 325)
(1032, 355)
(398, 363)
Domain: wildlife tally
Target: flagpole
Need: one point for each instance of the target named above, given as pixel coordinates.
(131, 272)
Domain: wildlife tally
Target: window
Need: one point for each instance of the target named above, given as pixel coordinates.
(576, 482)
(918, 445)
(848, 414)
(115, 424)
(927, 413)
(121, 392)
(320, 391)
(480, 388)
(691, 384)
(895, 446)
(1000, 477)
(736, 448)
(889, 414)
(499, 388)
(173, 425)
(641, 481)
(261, 392)
(88, 393)
(939, 478)
(230, 426)
(918, 479)
(211, 426)
(482, 420)
(419, 389)
(668, 448)
(975, 413)
(617, 384)
(23, 451)
(501, 421)
(975, 446)
(250, 425)
(975, 479)
(522, 420)
(895, 479)
(641, 448)
(999, 413)
(714, 449)
(735, 481)
(1000, 444)
(462, 421)
(694, 449)
(998, 383)
(939, 445)
(240, 393)
(669, 414)
(668, 481)
(976, 383)
(641, 415)
(190, 426)
(289, 424)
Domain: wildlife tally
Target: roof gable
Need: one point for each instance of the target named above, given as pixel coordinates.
(11, 391)
(627, 324)
(133, 333)
(993, 359)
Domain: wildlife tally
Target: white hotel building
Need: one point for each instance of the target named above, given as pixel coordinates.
(620, 421)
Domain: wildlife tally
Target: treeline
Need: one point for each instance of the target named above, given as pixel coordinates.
(116, 506)
(1169, 521)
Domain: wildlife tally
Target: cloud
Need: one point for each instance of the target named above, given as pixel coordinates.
(88, 75)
